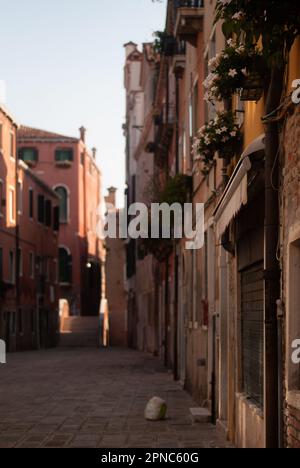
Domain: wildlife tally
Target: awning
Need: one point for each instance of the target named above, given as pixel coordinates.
(236, 192)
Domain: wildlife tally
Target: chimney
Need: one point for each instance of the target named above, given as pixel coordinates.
(129, 48)
(94, 152)
(82, 131)
(111, 198)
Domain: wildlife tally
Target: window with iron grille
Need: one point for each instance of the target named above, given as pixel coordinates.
(252, 321)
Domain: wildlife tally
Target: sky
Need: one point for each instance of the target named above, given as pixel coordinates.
(62, 63)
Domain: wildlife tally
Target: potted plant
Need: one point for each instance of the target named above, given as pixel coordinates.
(238, 67)
(220, 136)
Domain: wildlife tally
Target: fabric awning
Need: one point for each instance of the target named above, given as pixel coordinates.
(236, 193)
(233, 199)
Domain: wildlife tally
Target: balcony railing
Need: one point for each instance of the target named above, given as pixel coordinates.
(189, 16)
(189, 3)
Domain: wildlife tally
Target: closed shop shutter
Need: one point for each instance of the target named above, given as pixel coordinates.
(252, 316)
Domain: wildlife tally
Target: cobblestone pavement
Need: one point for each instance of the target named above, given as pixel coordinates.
(92, 398)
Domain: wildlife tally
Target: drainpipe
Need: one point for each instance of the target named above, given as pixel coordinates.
(17, 238)
(176, 281)
(272, 267)
(280, 317)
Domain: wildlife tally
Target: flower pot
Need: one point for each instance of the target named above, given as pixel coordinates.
(253, 88)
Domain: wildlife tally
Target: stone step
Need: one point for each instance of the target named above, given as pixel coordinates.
(78, 340)
(200, 415)
(80, 324)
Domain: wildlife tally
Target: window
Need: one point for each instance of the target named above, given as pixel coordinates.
(65, 266)
(41, 209)
(2, 199)
(31, 203)
(28, 155)
(12, 206)
(62, 192)
(11, 267)
(64, 155)
(48, 213)
(12, 145)
(31, 265)
(1, 264)
(20, 198)
(56, 218)
(20, 320)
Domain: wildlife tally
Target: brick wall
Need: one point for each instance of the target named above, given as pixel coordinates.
(293, 427)
(290, 218)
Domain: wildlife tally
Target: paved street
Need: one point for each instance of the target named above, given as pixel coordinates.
(90, 398)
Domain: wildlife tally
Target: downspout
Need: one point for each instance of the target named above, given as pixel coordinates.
(17, 236)
(176, 280)
(272, 267)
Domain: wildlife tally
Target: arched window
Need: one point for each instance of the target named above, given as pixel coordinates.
(65, 266)
(63, 194)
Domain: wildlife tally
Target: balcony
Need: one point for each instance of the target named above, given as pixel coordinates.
(189, 20)
(179, 59)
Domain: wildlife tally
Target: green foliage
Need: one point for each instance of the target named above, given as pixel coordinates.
(221, 135)
(275, 23)
(230, 69)
(176, 190)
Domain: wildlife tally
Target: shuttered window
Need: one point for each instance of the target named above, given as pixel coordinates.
(41, 209)
(48, 213)
(252, 316)
(65, 266)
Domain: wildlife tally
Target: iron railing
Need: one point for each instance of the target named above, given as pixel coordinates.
(189, 3)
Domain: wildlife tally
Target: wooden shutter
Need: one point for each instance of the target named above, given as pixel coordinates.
(56, 218)
(48, 214)
(252, 315)
(41, 209)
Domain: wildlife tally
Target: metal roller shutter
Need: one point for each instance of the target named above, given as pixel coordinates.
(253, 332)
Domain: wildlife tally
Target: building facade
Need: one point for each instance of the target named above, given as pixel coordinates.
(65, 164)
(225, 316)
(28, 250)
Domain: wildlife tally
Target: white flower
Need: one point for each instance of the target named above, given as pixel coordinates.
(219, 131)
(233, 134)
(244, 71)
(232, 72)
(241, 49)
(224, 129)
(207, 140)
(231, 43)
(238, 16)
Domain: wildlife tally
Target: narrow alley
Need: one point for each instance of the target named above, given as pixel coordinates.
(86, 398)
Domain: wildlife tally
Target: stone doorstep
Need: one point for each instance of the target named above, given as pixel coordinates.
(200, 415)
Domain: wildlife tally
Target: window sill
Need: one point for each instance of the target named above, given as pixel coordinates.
(63, 164)
(256, 410)
(293, 399)
(30, 164)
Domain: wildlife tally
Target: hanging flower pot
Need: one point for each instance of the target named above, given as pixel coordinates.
(253, 87)
(220, 136)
